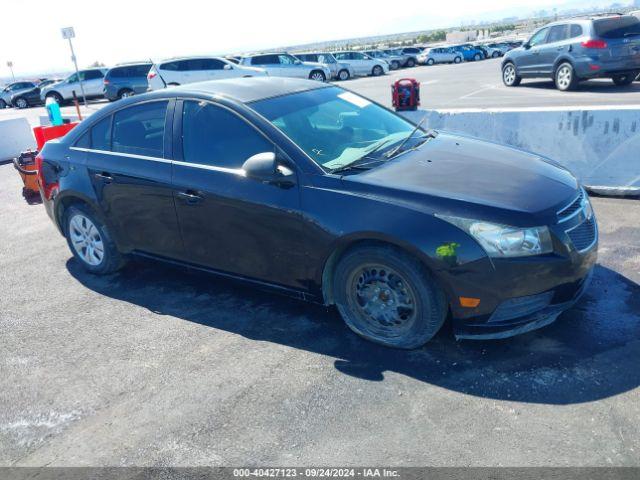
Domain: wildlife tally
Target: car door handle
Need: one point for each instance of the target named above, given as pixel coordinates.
(190, 196)
(104, 176)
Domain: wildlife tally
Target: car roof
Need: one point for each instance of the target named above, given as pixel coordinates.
(251, 89)
(190, 57)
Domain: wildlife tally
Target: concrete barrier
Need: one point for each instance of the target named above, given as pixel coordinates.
(15, 137)
(599, 145)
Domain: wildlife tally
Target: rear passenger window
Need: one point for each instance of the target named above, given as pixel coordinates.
(557, 33)
(139, 130)
(101, 135)
(575, 31)
(214, 136)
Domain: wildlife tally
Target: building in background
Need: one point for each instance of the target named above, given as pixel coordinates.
(462, 36)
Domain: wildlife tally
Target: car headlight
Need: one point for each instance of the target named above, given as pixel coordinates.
(503, 241)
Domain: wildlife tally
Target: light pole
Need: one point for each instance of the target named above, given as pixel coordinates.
(68, 34)
(10, 65)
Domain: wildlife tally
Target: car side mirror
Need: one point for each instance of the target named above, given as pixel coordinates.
(526, 46)
(297, 62)
(265, 168)
(227, 67)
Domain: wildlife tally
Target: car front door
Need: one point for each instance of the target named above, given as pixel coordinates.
(529, 61)
(292, 67)
(554, 45)
(229, 222)
(128, 159)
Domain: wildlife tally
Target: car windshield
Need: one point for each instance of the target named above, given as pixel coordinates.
(333, 126)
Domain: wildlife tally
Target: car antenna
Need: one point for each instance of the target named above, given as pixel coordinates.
(153, 64)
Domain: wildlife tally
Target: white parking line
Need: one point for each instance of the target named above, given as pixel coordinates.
(484, 89)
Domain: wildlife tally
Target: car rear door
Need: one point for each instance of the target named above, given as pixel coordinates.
(555, 45)
(130, 168)
(92, 82)
(270, 62)
(229, 222)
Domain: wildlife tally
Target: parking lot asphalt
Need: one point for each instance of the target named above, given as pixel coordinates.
(159, 366)
(479, 85)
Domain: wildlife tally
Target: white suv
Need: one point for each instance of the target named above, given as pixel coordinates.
(285, 65)
(179, 71)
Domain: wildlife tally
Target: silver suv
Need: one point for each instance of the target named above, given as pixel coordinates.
(92, 82)
(362, 63)
(339, 70)
(394, 61)
(286, 65)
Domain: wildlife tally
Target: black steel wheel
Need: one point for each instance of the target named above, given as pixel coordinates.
(388, 297)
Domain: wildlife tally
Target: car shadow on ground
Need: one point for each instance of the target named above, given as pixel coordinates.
(591, 86)
(591, 352)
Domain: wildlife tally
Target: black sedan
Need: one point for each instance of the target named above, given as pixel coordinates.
(31, 97)
(317, 192)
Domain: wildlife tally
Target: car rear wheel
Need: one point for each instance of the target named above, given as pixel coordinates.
(510, 76)
(343, 75)
(624, 79)
(457, 60)
(377, 71)
(431, 61)
(411, 63)
(395, 65)
(477, 57)
(125, 93)
(317, 75)
(3, 104)
(56, 97)
(90, 241)
(565, 77)
(388, 297)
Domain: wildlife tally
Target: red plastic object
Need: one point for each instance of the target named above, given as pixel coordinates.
(44, 134)
(405, 94)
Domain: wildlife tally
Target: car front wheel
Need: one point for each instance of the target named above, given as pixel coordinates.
(21, 103)
(344, 75)
(411, 63)
(457, 60)
(90, 241)
(431, 61)
(510, 76)
(317, 76)
(388, 297)
(377, 71)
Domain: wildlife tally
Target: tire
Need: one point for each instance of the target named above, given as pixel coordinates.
(477, 57)
(565, 77)
(411, 63)
(3, 104)
(374, 279)
(623, 80)
(81, 226)
(318, 76)
(395, 65)
(457, 60)
(431, 61)
(510, 75)
(344, 75)
(21, 103)
(377, 71)
(56, 97)
(495, 54)
(125, 93)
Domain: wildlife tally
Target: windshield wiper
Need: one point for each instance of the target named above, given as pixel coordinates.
(395, 150)
(363, 166)
(631, 34)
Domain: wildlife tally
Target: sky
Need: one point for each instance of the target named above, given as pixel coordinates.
(129, 30)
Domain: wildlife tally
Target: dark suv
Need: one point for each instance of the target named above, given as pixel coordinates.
(573, 50)
(126, 80)
(320, 193)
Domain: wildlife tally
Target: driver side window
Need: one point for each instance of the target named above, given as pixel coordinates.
(73, 78)
(539, 37)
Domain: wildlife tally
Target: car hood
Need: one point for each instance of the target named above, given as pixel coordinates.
(23, 91)
(49, 87)
(474, 171)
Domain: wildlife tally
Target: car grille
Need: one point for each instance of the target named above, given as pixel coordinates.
(572, 208)
(583, 235)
